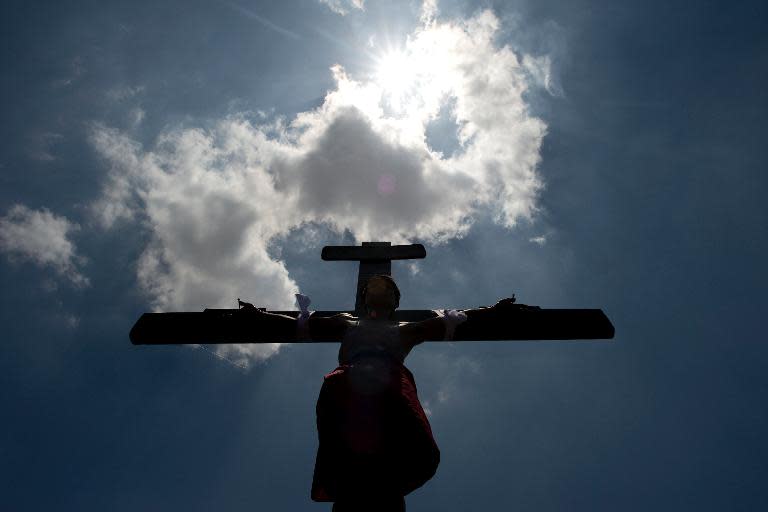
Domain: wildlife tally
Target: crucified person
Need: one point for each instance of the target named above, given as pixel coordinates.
(375, 441)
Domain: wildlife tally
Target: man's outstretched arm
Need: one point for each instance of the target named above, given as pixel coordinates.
(329, 328)
(439, 328)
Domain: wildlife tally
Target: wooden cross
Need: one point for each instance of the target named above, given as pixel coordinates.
(514, 322)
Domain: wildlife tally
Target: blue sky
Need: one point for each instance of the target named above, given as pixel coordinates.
(177, 155)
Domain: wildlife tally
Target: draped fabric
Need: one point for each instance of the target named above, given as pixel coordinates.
(374, 437)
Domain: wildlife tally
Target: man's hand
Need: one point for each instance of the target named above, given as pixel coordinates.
(247, 306)
(510, 304)
(506, 303)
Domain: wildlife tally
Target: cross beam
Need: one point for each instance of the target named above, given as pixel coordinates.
(222, 326)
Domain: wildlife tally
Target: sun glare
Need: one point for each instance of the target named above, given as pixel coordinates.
(413, 80)
(396, 74)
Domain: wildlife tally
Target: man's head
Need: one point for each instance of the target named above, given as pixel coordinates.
(381, 297)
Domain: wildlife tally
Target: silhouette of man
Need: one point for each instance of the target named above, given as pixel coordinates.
(375, 442)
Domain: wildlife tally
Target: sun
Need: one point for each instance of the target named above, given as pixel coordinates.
(396, 74)
(414, 79)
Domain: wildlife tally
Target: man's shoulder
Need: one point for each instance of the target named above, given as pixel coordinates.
(331, 328)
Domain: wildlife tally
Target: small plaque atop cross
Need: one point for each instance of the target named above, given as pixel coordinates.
(505, 322)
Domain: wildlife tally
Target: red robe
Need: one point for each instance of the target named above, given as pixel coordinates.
(374, 437)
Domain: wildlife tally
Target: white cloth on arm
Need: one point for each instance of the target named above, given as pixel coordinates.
(451, 318)
(302, 324)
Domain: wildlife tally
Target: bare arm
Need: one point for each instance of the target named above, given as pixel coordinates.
(434, 329)
(415, 333)
(330, 328)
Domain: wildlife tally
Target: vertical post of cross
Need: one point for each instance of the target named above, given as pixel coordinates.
(367, 269)
(375, 258)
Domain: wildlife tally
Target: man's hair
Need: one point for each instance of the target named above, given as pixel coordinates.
(390, 282)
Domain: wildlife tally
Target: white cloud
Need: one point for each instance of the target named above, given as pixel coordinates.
(214, 198)
(452, 371)
(41, 146)
(429, 11)
(72, 321)
(129, 96)
(136, 116)
(540, 69)
(118, 199)
(41, 237)
(124, 92)
(76, 69)
(343, 7)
